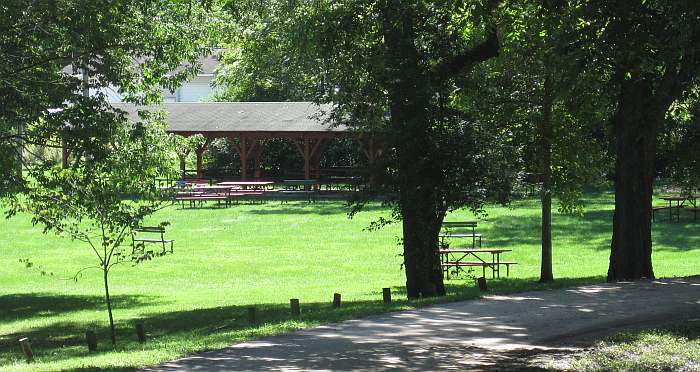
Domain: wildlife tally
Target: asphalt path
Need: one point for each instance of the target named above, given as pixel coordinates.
(482, 334)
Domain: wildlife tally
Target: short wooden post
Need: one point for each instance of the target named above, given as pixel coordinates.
(482, 284)
(140, 332)
(251, 315)
(336, 300)
(91, 341)
(386, 294)
(26, 349)
(294, 303)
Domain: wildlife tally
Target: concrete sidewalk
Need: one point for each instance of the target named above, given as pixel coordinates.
(467, 335)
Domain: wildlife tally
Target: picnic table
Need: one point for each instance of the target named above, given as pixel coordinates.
(679, 201)
(246, 185)
(459, 258)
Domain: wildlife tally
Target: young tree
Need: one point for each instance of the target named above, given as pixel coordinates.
(60, 61)
(532, 95)
(389, 68)
(99, 200)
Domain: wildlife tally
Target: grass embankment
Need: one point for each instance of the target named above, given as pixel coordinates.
(228, 259)
(669, 349)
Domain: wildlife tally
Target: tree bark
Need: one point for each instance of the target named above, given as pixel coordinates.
(546, 133)
(421, 208)
(108, 300)
(636, 122)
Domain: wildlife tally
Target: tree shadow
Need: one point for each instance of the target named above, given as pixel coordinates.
(220, 325)
(594, 226)
(22, 306)
(475, 335)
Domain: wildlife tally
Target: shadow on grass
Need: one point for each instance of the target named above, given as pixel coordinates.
(319, 208)
(514, 231)
(21, 306)
(223, 325)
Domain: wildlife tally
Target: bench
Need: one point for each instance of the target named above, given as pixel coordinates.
(298, 184)
(483, 265)
(149, 234)
(195, 198)
(462, 225)
(656, 209)
(695, 213)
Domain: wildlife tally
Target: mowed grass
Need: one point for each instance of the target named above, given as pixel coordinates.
(228, 259)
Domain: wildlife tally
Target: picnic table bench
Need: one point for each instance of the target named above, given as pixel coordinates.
(460, 229)
(457, 258)
(294, 188)
(680, 201)
(149, 234)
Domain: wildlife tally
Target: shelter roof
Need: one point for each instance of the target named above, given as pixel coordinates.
(239, 117)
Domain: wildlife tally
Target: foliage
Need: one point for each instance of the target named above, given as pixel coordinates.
(60, 60)
(127, 45)
(388, 68)
(99, 200)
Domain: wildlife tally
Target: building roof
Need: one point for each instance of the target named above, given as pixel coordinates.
(222, 118)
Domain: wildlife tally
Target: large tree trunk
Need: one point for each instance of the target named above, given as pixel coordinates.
(635, 122)
(421, 226)
(545, 130)
(421, 208)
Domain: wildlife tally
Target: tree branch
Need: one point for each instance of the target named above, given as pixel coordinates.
(487, 49)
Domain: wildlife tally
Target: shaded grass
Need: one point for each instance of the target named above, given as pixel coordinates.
(675, 348)
(230, 258)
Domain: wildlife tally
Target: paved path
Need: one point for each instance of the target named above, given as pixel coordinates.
(463, 335)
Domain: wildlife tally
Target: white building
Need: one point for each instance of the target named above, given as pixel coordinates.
(197, 89)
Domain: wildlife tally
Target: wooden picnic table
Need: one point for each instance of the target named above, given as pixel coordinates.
(457, 258)
(255, 185)
(680, 201)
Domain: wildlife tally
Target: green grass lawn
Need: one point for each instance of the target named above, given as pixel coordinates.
(228, 259)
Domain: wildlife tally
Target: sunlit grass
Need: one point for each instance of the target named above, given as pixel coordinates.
(230, 258)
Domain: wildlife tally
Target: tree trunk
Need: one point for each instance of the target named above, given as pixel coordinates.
(421, 208)
(635, 122)
(112, 332)
(545, 130)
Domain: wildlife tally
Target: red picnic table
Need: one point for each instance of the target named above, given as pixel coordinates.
(255, 185)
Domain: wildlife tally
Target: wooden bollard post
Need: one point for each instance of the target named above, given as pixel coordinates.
(482, 284)
(251, 315)
(294, 303)
(91, 341)
(336, 300)
(140, 332)
(26, 349)
(386, 294)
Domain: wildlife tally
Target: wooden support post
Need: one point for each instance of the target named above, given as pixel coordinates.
(336, 300)
(307, 159)
(140, 332)
(294, 304)
(482, 284)
(244, 158)
(26, 349)
(91, 340)
(259, 148)
(386, 294)
(251, 315)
